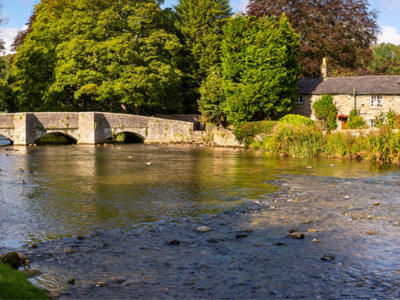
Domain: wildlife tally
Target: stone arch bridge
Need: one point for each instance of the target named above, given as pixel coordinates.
(92, 127)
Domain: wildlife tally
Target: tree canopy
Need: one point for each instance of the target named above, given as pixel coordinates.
(341, 30)
(259, 67)
(386, 59)
(104, 55)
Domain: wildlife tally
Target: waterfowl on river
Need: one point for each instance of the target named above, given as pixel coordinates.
(148, 163)
(130, 156)
(309, 167)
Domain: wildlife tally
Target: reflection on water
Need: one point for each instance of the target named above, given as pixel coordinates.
(73, 190)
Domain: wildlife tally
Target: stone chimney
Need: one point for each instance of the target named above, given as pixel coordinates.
(324, 70)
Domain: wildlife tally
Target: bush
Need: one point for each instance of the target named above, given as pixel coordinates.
(296, 120)
(245, 133)
(325, 109)
(356, 121)
(297, 141)
(389, 118)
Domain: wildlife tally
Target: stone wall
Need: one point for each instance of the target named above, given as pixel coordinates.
(181, 117)
(6, 120)
(224, 137)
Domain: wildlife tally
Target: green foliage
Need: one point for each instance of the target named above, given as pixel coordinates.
(15, 285)
(386, 118)
(325, 109)
(212, 100)
(260, 70)
(98, 55)
(5, 66)
(297, 141)
(355, 120)
(6, 97)
(200, 22)
(245, 133)
(386, 59)
(296, 120)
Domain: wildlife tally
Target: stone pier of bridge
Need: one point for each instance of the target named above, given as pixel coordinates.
(92, 127)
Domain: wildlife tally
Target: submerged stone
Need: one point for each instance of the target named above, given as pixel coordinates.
(203, 229)
(296, 235)
(11, 259)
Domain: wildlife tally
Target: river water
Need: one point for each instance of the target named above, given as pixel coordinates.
(110, 195)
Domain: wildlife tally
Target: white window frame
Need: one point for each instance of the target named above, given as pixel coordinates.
(300, 99)
(372, 123)
(376, 101)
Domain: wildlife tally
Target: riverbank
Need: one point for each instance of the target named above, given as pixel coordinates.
(247, 253)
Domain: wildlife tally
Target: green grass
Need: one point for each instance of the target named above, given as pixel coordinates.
(15, 285)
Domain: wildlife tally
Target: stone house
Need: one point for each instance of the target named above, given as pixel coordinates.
(371, 95)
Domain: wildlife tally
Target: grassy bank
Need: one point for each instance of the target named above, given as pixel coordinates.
(15, 285)
(306, 141)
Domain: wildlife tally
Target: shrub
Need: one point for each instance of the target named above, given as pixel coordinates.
(355, 120)
(325, 109)
(245, 133)
(389, 118)
(296, 120)
(297, 141)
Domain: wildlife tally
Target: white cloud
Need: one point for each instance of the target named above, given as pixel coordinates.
(389, 35)
(8, 35)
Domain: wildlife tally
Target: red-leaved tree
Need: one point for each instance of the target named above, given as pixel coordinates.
(341, 30)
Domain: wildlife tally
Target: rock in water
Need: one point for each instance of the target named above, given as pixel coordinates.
(174, 243)
(296, 235)
(203, 229)
(11, 259)
(327, 257)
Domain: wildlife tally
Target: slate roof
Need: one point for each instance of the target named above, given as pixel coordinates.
(365, 85)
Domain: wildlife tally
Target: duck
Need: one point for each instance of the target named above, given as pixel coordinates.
(149, 163)
(309, 167)
(130, 156)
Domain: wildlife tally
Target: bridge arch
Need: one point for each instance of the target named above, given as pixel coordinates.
(70, 139)
(5, 136)
(131, 136)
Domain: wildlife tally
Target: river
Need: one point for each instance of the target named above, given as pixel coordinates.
(49, 195)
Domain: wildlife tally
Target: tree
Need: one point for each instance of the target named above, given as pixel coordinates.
(326, 109)
(212, 100)
(98, 55)
(386, 59)
(260, 70)
(22, 34)
(3, 20)
(200, 24)
(341, 30)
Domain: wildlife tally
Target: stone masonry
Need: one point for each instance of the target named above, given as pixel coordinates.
(92, 127)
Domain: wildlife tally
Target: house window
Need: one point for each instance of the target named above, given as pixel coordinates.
(300, 99)
(372, 123)
(376, 101)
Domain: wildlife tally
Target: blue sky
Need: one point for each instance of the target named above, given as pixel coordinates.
(18, 12)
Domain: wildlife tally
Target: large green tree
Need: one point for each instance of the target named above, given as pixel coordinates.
(386, 59)
(260, 68)
(200, 24)
(105, 55)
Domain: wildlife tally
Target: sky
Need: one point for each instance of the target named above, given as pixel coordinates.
(18, 12)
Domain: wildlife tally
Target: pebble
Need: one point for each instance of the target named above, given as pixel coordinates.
(376, 203)
(174, 243)
(327, 257)
(241, 236)
(312, 230)
(71, 281)
(296, 235)
(203, 229)
(315, 241)
(292, 230)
